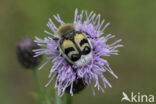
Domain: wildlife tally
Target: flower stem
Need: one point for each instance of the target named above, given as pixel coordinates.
(39, 89)
(41, 93)
(66, 99)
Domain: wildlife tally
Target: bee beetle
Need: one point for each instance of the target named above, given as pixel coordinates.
(74, 45)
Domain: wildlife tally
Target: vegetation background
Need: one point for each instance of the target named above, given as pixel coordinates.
(132, 20)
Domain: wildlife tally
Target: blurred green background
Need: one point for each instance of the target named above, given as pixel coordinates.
(132, 20)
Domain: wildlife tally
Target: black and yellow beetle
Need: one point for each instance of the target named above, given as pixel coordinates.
(74, 45)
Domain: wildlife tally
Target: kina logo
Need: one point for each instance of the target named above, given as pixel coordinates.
(137, 97)
(125, 97)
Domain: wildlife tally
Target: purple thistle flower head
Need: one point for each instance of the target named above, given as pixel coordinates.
(67, 74)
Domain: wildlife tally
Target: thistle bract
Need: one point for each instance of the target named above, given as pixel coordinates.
(25, 54)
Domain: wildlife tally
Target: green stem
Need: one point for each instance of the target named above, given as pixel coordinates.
(66, 99)
(39, 88)
(41, 93)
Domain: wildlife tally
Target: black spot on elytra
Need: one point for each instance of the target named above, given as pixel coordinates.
(67, 50)
(83, 41)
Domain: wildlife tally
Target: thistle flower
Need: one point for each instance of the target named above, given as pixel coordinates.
(66, 74)
(25, 54)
